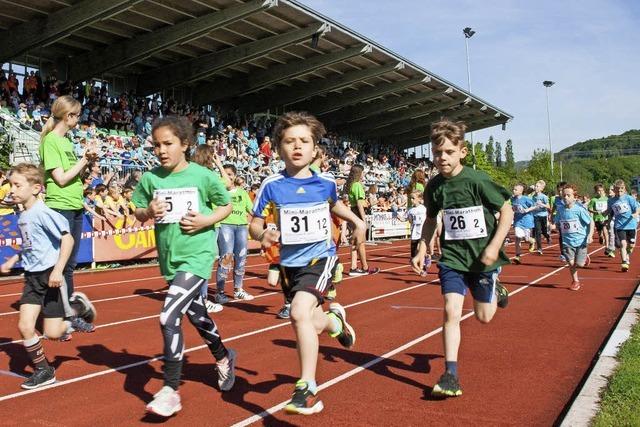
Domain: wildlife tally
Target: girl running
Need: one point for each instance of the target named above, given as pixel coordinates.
(178, 195)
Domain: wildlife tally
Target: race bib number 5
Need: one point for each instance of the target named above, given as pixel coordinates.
(179, 201)
(305, 224)
(464, 223)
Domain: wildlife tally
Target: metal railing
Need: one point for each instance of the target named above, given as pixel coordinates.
(25, 142)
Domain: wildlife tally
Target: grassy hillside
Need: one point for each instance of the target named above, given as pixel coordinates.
(611, 146)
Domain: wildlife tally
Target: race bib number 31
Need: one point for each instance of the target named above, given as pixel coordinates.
(305, 224)
(464, 223)
(179, 201)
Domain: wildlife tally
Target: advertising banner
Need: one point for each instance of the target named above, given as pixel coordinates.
(383, 224)
(123, 238)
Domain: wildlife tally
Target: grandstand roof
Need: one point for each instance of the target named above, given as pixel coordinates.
(256, 55)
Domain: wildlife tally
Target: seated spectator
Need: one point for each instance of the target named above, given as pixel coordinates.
(90, 203)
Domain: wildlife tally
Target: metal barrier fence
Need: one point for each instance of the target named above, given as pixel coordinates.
(25, 142)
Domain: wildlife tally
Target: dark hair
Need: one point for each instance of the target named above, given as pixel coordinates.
(294, 118)
(232, 167)
(88, 191)
(180, 126)
(100, 188)
(355, 174)
(598, 186)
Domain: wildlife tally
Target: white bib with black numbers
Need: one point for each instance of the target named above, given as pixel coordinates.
(179, 201)
(621, 208)
(601, 205)
(305, 224)
(464, 223)
(570, 226)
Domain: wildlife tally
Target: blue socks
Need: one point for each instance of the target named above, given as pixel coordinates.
(452, 367)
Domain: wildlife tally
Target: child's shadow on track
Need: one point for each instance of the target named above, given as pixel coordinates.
(19, 361)
(421, 362)
(156, 294)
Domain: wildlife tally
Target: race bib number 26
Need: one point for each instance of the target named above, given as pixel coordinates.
(179, 201)
(464, 223)
(305, 224)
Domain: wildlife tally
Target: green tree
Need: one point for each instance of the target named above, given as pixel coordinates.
(510, 162)
(498, 154)
(539, 167)
(490, 151)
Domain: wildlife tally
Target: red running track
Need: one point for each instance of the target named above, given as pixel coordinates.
(522, 368)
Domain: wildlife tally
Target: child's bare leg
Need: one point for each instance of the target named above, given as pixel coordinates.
(27, 323)
(308, 320)
(54, 327)
(451, 329)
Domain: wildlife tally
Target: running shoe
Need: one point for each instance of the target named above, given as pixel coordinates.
(65, 337)
(40, 378)
(575, 286)
(221, 298)
(337, 274)
(516, 259)
(227, 371)
(540, 252)
(503, 295)
(241, 294)
(448, 386)
(83, 306)
(631, 250)
(165, 403)
(612, 254)
(532, 248)
(285, 312)
(331, 293)
(373, 270)
(303, 401)
(213, 307)
(625, 266)
(357, 272)
(80, 325)
(347, 337)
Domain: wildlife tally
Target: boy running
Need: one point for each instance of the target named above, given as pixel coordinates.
(577, 232)
(471, 240)
(303, 202)
(46, 247)
(598, 206)
(522, 220)
(541, 214)
(625, 211)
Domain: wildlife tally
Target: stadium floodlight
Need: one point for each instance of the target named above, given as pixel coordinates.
(547, 84)
(468, 33)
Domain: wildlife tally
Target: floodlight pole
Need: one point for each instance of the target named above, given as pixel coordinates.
(468, 33)
(547, 84)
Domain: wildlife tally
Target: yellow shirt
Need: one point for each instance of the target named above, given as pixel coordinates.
(4, 192)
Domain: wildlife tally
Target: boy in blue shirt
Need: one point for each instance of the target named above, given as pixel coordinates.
(625, 211)
(46, 247)
(522, 220)
(576, 226)
(302, 202)
(541, 214)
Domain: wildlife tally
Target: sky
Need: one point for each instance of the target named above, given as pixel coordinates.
(589, 48)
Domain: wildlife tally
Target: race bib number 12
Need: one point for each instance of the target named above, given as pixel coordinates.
(464, 223)
(179, 201)
(305, 224)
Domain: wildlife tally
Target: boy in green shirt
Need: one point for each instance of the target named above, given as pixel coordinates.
(598, 206)
(471, 241)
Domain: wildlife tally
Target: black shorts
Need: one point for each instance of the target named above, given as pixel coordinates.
(601, 225)
(314, 278)
(415, 244)
(37, 292)
(628, 235)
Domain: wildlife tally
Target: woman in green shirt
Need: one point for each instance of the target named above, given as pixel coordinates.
(417, 183)
(62, 170)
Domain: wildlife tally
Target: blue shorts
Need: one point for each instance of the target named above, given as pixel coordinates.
(482, 285)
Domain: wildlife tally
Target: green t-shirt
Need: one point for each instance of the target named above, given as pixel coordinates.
(57, 152)
(601, 215)
(178, 251)
(356, 192)
(467, 189)
(242, 205)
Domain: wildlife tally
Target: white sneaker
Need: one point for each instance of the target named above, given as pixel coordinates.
(242, 294)
(165, 403)
(227, 371)
(213, 307)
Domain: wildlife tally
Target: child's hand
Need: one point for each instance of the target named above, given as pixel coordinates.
(156, 209)
(55, 278)
(194, 221)
(8, 264)
(489, 256)
(417, 263)
(269, 238)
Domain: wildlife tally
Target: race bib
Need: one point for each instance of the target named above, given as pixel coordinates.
(305, 224)
(601, 205)
(464, 223)
(518, 209)
(621, 208)
(179, 202)
(570, 226)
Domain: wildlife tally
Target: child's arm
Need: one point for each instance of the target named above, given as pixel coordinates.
(341, 211)
(8, 264)
(266, 237)
(156, 210)
(428, 232)
(491, 252)
(590, 233)
(196, 221)
(93, 212)
(66, 246)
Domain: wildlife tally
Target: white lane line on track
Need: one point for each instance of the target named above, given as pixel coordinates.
(142, 279)
(230, 302)
(200, 347)
(419, 307)
(375, 361)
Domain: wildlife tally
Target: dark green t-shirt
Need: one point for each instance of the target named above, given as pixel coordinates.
(178, 251)
(57, 152)
(468, 189)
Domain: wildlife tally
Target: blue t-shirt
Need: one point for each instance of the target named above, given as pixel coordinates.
(623, 208)
(41, 228)
(540, 199)
(521, 218)
(573, 223)
(297, 206)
